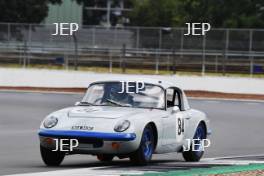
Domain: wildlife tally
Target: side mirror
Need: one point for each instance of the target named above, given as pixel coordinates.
(77, 103)
(175, 109)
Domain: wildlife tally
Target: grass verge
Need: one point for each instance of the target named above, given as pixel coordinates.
(221, 170)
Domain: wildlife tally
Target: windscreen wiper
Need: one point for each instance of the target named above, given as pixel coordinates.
(84, 103)
(117, 103)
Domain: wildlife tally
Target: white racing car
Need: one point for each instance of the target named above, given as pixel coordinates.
(125, 119)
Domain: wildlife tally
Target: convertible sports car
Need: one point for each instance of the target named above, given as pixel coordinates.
(125, 119)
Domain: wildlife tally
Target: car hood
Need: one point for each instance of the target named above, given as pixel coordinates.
(103, 112)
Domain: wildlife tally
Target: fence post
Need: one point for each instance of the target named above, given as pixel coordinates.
(174, 61)
(251, 65)
(8, 32)
(123, 64)
(29, 45)
(66, 60)
(225, 53)
(29, 34)
(168, 63)
(157, 62)
(203, 57)
(137, 39)
(216, 63)
(223, 62)
(251, 58)
(110, 62)
(93, 37)
(75, 51)
(182, 42)
(181, 49)
(115, 36)
(160, 38)
(25, 54)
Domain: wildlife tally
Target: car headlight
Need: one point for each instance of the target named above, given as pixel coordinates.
(122, 126)
(50, 122)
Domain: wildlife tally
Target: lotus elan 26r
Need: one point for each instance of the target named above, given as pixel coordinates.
(125, 119)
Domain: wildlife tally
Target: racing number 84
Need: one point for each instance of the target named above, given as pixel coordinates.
(180, 126)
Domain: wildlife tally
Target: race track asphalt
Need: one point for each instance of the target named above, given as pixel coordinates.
(237, 130)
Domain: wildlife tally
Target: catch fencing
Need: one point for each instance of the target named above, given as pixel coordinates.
(134, 48)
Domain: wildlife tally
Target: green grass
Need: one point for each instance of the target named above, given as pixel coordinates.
(210, 171)
(128, 70)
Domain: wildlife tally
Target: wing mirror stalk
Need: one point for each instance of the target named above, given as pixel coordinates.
(175, 109)
(77, 103)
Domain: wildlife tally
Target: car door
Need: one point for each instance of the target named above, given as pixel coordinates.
(176, 122)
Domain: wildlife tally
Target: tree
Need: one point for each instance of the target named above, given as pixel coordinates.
(26, 11)
(223, 13)
(153, 12)
(219, 13)
(91, 17)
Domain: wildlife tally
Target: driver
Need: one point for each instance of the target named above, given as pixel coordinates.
(123, 98)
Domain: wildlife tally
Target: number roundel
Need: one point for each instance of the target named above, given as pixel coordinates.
(180, 129)
(179, 126)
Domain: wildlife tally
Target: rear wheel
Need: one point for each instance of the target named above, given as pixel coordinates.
(197, 153)
(51, 158)
(105, 158)
(144, 153)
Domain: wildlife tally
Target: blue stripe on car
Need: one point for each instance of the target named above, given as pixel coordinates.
(85, 134)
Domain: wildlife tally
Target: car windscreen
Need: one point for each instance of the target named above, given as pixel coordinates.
(125, 94)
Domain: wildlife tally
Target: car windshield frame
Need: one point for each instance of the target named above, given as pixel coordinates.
(146, 83)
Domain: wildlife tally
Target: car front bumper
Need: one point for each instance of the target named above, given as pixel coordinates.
(91, 142)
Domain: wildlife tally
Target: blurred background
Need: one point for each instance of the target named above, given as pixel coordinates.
(135, 36)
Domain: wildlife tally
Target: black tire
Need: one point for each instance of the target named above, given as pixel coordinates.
(143, 154)
(195, 156)
(51, 158)
(105, 157)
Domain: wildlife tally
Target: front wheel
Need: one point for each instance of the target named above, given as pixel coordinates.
(51, 158)
(195, 153)
(144, 153)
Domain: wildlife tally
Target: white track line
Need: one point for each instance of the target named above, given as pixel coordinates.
(92, 171)
(236, 156)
